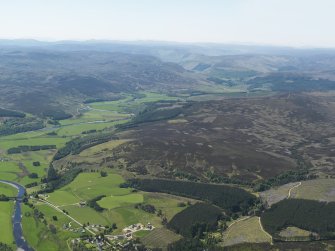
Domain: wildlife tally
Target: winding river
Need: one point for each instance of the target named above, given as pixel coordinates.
(21, 243)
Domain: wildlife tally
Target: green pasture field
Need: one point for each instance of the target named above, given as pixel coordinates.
(24, 135)
(94, 115)
(6, 229)
(7, 166)
(43, 140)
(8, 190)
(167, 203)
(72, 130)
(128, 215)
(39, 235)
(49, 212)
(111, 202)
(87, 214)
(8, 176)
(87, 186)
(129, 102)
(9, 171)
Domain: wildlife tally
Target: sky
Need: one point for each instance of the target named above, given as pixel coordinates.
(299, 23)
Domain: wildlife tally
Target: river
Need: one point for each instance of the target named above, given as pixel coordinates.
(21, 243)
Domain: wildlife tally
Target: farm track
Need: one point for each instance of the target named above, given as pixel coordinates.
(61, 211)
(289, 191)
(229, 227)
(260, 224)
(246, 218)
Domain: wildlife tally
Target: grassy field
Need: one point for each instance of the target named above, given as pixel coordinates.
(95, 115)
(9, 167)
(160, 238)
(319, 189)
(246, 231)
(10, 170)
(8, 190)
(6, 229)
(77, 129)
(277, 194)
(43, 140)
(111, 202)
(290, 232)
(39, 235)
(87, 186)
(101, 148)
(129, 103)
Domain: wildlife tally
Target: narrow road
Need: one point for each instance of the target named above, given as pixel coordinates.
(289, 191)
(61, 211)
(20, 242)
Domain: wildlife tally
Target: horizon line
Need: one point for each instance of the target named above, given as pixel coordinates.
(107, 40)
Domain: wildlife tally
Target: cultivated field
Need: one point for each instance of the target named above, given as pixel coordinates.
(160, 238)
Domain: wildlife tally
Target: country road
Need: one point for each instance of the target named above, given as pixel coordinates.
(61, 211)
(246, 218)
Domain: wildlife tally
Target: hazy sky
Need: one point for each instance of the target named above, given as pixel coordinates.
(279, 22)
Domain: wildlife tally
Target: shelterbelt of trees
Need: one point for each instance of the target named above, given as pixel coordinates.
(21, 149)
(18, 125)
(11, 113)
(77, 145)
(314, 216)
(231, 199)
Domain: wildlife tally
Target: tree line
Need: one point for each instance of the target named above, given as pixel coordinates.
(77, 145)
(11, 113)
(230, 198)
(18, 125)
(314, 216)
(21, 149)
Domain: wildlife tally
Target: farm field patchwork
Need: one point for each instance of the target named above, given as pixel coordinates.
(119, 202)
